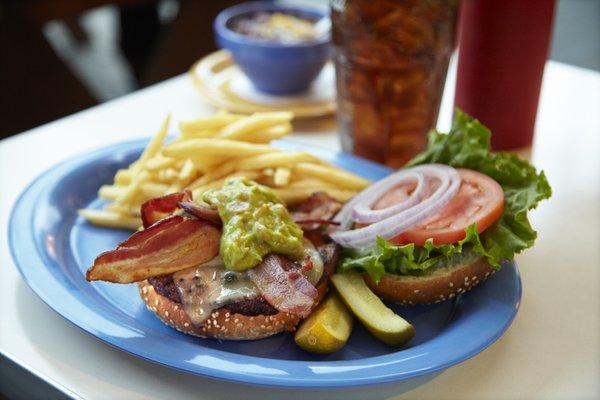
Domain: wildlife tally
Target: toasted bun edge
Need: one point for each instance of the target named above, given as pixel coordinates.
(437, 287)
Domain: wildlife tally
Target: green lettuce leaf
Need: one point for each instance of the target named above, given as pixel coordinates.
(466, 146)
(385, 257)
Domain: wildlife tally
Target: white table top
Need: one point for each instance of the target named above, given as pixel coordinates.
(551, 350)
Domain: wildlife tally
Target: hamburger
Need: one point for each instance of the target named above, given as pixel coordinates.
(236, 265)
(445, 222)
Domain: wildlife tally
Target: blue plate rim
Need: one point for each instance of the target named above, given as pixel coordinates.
(335, 380)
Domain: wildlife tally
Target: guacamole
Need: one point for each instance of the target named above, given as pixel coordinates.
(255, 223)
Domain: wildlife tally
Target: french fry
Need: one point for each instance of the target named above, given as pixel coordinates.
(131, 190)
(168, 175)
(334, 175)
(131, 209)
(110, 219)
(205, 133)
(213, 124)
(176, 187)
(278, 159)
(205, 163)
(155, 144)
(269, 134)
(123, 177)
(153, 189)
(296, 196)
(243, 127)
(282, 176)
(110, 192)
(159, 162)
(197, 192)
(214, 174)
(219, 147)
(187, 171)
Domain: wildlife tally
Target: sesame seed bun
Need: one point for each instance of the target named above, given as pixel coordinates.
(442, 284)
(222, 324)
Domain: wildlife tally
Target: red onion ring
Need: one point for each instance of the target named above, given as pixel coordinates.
(363, 212)
(396, 219)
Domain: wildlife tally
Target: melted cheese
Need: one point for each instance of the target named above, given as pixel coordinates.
(210, 286)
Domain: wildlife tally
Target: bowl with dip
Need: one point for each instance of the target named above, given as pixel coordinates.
(281, 48)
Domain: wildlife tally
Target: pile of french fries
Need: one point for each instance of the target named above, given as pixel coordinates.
(210, 150)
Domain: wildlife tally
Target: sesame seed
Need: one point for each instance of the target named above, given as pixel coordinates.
(166, 313)
(156, 302)
(144, 290)
(262, 327)
(186, 324)
(466, 278)
(451, 295)
(146, 299)
(239, 325)
(236, 320)
(487, 274)
(474, 277)
(227, 315)
(201, 312)
(451, 284)
(171, 322)
(176, 307)
(416, 291)
(226, 319)
(223, 327)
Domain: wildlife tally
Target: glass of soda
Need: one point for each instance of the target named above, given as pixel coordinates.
(391, 59)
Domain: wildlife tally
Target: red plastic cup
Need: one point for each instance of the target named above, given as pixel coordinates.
(503, 50)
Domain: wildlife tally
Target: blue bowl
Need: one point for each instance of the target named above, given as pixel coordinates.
(274, 68)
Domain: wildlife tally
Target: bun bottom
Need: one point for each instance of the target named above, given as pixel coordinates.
(443, 284)
(222, 324)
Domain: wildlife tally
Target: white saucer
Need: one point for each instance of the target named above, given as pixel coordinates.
(322, 89)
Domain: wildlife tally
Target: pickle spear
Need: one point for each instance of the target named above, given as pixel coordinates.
(327, 328)
(382, 322)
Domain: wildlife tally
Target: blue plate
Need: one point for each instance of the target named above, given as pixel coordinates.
(52, 247)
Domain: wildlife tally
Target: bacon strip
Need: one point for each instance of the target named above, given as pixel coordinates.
(200, 211)
(317, 210)
(285, 289)
(170, 245)
(156, 209)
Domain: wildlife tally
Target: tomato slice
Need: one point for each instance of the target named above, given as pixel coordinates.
(480, 199)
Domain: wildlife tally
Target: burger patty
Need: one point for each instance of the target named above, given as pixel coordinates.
(165, 286)
(252, 307)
